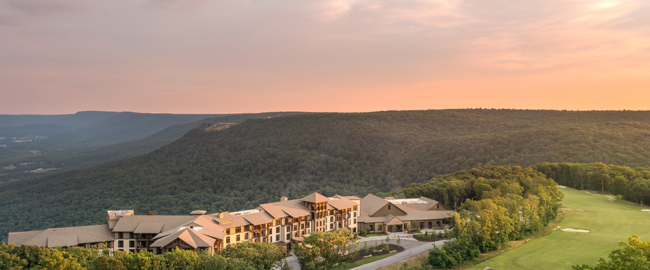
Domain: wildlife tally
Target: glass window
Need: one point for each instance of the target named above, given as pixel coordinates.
(131, 243)
(227, 239)
(238, 238)
(120, 244)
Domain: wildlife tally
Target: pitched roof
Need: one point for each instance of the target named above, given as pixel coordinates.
(371, 204)
(131, 223)
(342, 203)
(149, 227)
(229, 221)
(315, 198)
(292, 208)
(198, 212)
(274, 211)
(258, 218)
(67, 236)
(203, 233)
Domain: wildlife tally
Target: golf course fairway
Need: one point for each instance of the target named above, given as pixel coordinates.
(609, 222)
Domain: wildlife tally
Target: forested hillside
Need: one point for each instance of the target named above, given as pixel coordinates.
(260, 160)
(494, 205)
(115, 138)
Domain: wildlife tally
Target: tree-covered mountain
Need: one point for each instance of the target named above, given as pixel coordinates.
(260, 160)
(120, 136)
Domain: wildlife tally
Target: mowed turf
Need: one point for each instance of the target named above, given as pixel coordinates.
(609, 222)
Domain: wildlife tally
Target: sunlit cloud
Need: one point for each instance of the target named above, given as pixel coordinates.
(317, 55)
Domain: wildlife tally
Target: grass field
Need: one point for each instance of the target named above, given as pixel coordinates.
(10, 167)
(609, 222)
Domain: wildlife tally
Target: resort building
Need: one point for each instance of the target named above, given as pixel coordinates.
(281, 223)
(390, 214)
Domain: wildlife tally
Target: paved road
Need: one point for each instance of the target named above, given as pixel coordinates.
(421, 248)
(411, 246)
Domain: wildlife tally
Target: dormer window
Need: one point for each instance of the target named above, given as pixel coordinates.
(389, 207)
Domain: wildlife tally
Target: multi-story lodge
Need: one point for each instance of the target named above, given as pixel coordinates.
(281, 223)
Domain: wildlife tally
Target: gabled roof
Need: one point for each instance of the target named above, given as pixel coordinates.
(315, 198)
(292, 208)
(371, 204)
(203, 234)
(342, 203)
(274, 211)
(258, 218)
(393, 220)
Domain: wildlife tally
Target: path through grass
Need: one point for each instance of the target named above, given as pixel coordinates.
(609, 222)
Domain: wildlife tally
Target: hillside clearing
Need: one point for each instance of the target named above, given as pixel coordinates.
(609, 222)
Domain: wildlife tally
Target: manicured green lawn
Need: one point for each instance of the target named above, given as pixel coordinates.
(368, 260)
(609, 222)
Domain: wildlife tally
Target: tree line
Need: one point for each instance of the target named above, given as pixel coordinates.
(244, 256)
(632, 184)
(493, 205)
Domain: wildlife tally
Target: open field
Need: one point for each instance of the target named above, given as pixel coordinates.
(608, 221)
(10, 167)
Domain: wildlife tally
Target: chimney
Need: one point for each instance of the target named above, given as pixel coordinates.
(283, 198)
(222, 214)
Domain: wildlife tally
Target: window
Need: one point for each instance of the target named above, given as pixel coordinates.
(355, 214)
(389, 207)
(227, 239)
(302, 226)
(277, 238)
(131, 243)
(130, 235)
(238, 230)
(120, 235)
(288, 236)
(247, 228)
(355, 221)
(120, 243)
(277, 230)
(227, 231)
(246, 236)
(238, 238)
(131, 250)
(331, 226)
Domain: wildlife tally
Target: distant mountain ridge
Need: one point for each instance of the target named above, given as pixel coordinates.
(78, 119)
(259, 160)
(98, 138)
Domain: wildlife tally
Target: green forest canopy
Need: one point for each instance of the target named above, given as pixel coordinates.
(260, 160)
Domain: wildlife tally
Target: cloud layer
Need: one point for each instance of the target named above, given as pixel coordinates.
(198, 56)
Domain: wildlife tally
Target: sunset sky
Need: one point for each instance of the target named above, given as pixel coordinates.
(228, 56)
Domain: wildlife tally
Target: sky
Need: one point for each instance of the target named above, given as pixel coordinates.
(233, 56)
